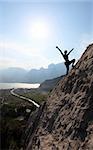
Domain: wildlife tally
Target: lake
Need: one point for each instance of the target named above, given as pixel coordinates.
(18, 85)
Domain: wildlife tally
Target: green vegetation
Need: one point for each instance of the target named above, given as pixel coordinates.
(11, 128)
(11, 132)
(13, 120)
(14, 117)
(36, 96)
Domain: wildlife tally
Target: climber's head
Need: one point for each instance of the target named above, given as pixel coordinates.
(65, 52)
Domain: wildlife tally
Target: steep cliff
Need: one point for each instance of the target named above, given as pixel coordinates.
(66, 120)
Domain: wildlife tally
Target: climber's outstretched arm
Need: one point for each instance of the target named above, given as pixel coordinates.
(71, 51)
(59, 50)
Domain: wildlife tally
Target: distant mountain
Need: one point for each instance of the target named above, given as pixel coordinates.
(53, 71)
(12, 75)
(32, 76)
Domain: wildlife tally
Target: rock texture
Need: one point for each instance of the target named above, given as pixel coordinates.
(66, 122)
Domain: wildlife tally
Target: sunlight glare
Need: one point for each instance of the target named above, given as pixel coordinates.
(39, 30)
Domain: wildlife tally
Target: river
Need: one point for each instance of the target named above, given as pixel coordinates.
(18, 85)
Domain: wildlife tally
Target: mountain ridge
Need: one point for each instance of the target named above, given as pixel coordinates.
(15, 74)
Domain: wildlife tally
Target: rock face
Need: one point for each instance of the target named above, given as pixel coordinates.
(66, 122)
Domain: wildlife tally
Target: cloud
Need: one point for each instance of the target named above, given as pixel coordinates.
(15, 55)
(36, 62)
(29, 56)
(12, 46)
(86, 40)
(5, 63)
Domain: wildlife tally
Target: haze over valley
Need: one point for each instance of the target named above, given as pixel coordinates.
(12, 75)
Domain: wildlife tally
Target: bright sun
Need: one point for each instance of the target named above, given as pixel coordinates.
(39, 30)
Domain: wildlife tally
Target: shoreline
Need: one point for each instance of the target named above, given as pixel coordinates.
(18, 86)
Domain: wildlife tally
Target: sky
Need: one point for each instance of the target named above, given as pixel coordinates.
(31, 30)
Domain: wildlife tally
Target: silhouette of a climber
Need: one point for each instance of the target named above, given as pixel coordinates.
(65, 56)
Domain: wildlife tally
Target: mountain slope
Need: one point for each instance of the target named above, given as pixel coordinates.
(48, 85)
(66, 122)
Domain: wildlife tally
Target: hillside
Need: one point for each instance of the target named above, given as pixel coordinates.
(48, 85)
(65, 121)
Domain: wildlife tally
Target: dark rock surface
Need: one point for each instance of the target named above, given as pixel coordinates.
(66, 122)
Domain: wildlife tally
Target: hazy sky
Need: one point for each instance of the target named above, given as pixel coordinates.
(30, 31)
